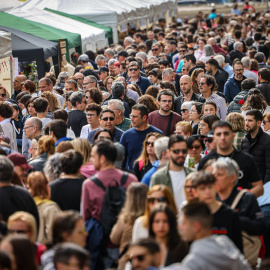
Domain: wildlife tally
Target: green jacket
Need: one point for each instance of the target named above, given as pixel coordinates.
(162, 177)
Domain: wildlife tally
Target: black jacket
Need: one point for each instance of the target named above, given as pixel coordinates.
(234, 106)
(260, 150)
(179, 101)
(265, 89)
(221, 78)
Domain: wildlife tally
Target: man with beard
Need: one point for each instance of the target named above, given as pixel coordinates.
(174, 173)
(188, 94)
(233, 86)
(164, 118)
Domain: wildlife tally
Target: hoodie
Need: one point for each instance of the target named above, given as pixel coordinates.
(235, 106)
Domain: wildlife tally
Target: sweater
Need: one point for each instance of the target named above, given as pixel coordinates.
(231, 89)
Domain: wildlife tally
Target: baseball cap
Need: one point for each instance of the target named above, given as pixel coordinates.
(120, 155)
(84, 57)
(122, 53)
(117, 64)
(103, 69)
(20, 160)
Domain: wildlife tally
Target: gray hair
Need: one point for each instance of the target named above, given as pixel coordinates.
(143, 55)
(153, 57)
(100, 57)
(139, 61)
(52, 168)
(259, 56)
(36, 122)
(129, 39)
(188, 104)
(161, 145)
(92, 78)
(76, 97)
(237, 45)
(229, 165)
(111, 62)
(208, 49)
(167, 71)
(246, 62)
(212, 40)
(119, 105)
(117, 89)
(6, 169)
(220, 59)
(110, 51)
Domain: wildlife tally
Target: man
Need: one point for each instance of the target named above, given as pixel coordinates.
(128, 41)
(41, 106)
(190, 62)
(107, 120)
(17, 86)
(128, 92)
(168, 74)
(32, 127)
(249, 176)
(121, 56)
(226, 66)
(237, 52)
(14, 198)
(216, 48)
(45, 84)
(211, 67)
(246, 65)
(225, 220)
(138, 38)
(113, 71)
(79, 79)
(103, 156)
(76, 117)
(222, 34)
(173, 48)
(133, 138)
(144, 254)
(206, 87)
(71, 85)
(58, 131)
(161, 147)
(164, 118)
(135, 77)
(121, 121)
(89, 82)
(103, 73)
(187, 93)
(257, 143)
(215, 251)
(264, 86)
(163, 64)
(260, 58)
(182, 51)
(240, 98)
(161, 36)
(144, 57)
(84, 61)
(109, 54)
(173, 175)
(100, 60)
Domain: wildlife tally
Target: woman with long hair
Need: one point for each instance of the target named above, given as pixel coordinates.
(46, 147)
(108, 83)
(147, 157)
(196, 77)
(206, 123)
(208, 53)
(149, 102)
(163, 228)
(199, 53)
(195, 115)
(133, 208)
(53, 103)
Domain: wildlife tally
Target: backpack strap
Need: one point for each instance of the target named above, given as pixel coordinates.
(238, 198)
(169, 124)
(97, 182)
(124, 178)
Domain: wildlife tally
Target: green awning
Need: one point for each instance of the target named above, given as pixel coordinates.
(107, 29)
(73, 40)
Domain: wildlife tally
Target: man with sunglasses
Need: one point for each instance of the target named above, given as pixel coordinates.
(174, 173)
(135, 77)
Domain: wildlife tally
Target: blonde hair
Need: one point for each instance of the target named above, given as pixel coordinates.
(46, 144)
(267, 116)
(187, 128)
(52, 99)
(26, 218)
(237, 121)
(84, 147)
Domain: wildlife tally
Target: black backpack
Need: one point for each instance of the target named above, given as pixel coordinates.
(115, 196)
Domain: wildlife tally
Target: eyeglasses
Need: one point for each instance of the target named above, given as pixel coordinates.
(153, 200)
(150, 143)
(27, 127)
(2, 95)
(154, 50)
(209, 140)
(201, 83)
(133, 69)
(196, 147)
(177, 151)
(182, 51)
(140, 258)
(183, 110)
(188, 187)
(264, 122)
(17, 231)
(90, 115)
(166, 101)
(107, 119)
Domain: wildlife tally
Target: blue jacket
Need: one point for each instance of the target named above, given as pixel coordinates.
(116, 134)
(147, 177)
(231, 89)
(142, 82)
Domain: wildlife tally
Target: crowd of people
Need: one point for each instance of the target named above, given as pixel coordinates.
(151, 153)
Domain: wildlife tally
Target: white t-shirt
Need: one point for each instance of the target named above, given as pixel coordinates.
(178, 179)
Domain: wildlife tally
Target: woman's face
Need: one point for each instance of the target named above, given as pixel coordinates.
(180, 131)
(155, 197)
(195, 149)
(193, 114)
(31, 109)
(160, 225)
(189, 190)
(109, 84)
(103, 135)
(184, 70)
(204, 128)
(153, 79)
(88, 98)
(150, 145)
(266, 124)
(198, 78)
(185, 113)
(23, 88)
(3, 94)
(209, 109)
(19, 227)
(79, 234)
(201, 44)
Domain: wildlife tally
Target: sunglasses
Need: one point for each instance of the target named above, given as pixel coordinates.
(182, 51)
(188, 187)
(160, 199)
(201, 83)
(264, 122)
(183, 110)
(208, 140)
(196, 147)
(140, 258)
(177, 151)
(154, 50)
(133, 69)
(107, 119)
(2, 95)
(150, 143)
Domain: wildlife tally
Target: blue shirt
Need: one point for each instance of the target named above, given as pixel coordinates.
(62, 139)
(117, 133)
(147, 177)
(142, 82)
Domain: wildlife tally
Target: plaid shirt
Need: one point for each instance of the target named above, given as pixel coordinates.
(221, 105)
(238, 137)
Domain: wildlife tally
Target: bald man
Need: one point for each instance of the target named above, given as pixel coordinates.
(188, 94)
(17, 85)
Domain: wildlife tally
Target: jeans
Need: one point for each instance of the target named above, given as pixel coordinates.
(266, 235)
(111, 255)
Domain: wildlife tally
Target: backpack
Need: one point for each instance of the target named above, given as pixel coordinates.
(115, 196)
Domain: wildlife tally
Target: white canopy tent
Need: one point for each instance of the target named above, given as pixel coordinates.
(113, 13)
(92, 38)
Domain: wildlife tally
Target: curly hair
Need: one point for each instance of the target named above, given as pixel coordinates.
(52, 99)
(255, 100)
(95, 94)
(106, 80)
(149, 102)
(136, 88)
(5, 110)
(46, 144)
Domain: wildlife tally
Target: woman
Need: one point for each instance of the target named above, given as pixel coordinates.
(52, 168)
(108, 83)
(149, 102)
(206, 123)
(185, 110)
(194, 115)
(183, 128)
(208, 52)
(53, 103)
(155, 76)
(209, 107)
(22, 103)
(136, 88)
(29, 87)
(152, 91)
(133, 208)
(254, 66)
(68, 105)
(26, 224)
(163, 228)
(195, 147)
(168, 86)
(30, 108)
(266, 123)
(93, 95)
(39, 188)
(188, 188)
(199, 53)
(237, 121)
(46, 147)
(101, 134)
(84, 147)
(64, 146)
(196, 77)
(144, 162)
(158, 193)
(21, 251)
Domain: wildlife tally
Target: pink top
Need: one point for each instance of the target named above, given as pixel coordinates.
(88, 170)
